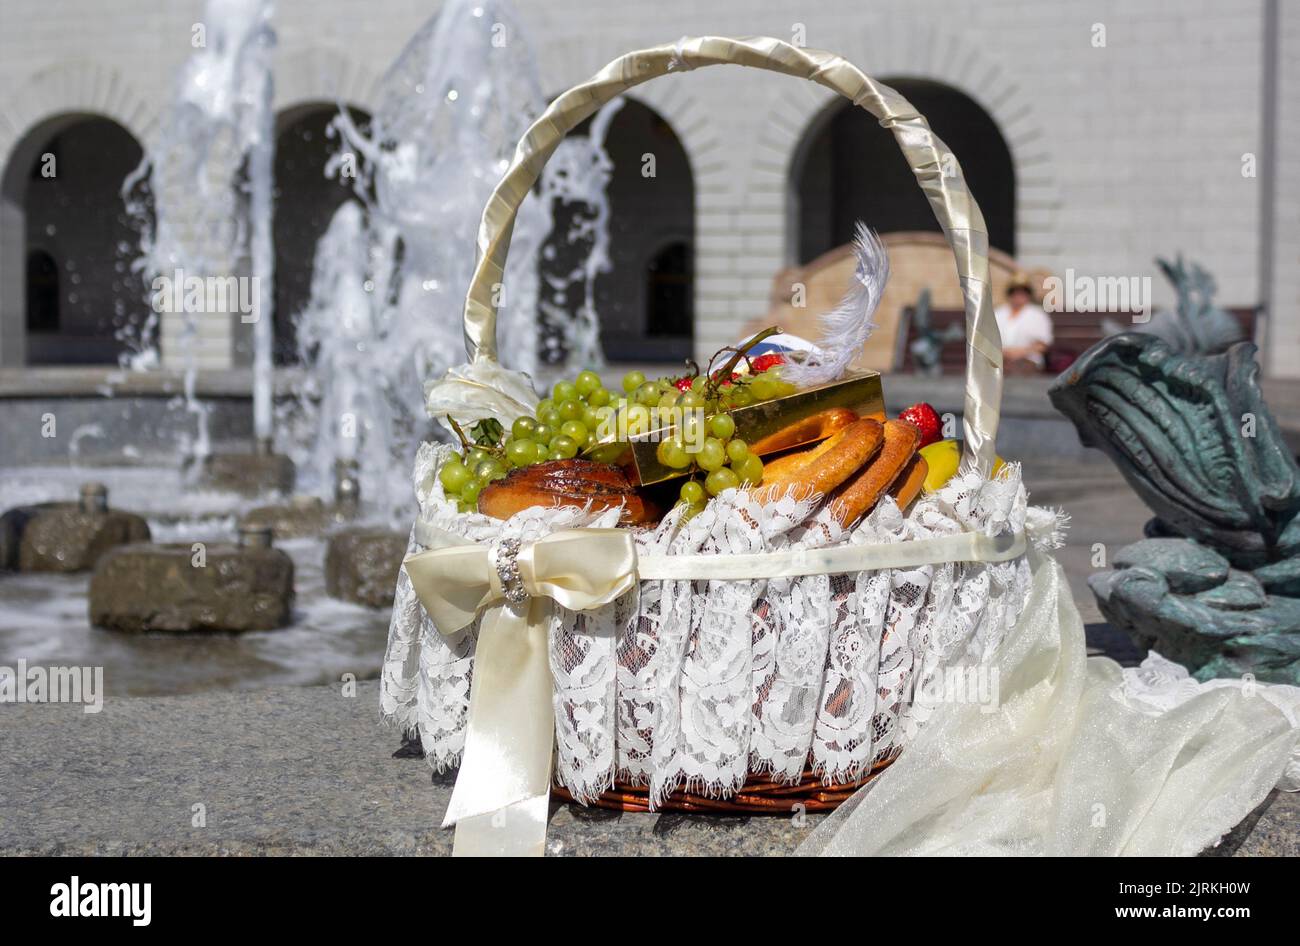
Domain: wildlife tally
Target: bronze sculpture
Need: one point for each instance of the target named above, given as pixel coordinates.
(1216, 583)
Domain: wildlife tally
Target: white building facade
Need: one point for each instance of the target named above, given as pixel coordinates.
(1135, 129)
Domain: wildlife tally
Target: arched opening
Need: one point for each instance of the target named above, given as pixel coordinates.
(849, 168)
(668, 291)
(42, 292)
(645, 302)
(70, 295)
(305, 202)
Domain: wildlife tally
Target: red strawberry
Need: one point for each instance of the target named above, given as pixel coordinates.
(683, 384)
(763, 362)
(925, 419)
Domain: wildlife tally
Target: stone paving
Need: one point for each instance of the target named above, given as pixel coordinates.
(308, 770)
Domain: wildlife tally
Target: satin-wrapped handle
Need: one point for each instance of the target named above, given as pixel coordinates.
(936, 170)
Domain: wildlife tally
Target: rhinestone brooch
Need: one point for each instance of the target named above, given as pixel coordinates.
(507, 566)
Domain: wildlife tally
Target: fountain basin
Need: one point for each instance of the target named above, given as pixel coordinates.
(361, 565)
(178, 587)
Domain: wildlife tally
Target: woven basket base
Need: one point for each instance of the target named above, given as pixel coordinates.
(759, 796)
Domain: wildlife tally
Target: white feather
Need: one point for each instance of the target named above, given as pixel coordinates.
(846, 327)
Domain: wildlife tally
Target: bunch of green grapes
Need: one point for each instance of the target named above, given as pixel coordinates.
(642, 397)
(763, 386)
(564, 424)
(465, 474)
(578, 412)
(716, 458)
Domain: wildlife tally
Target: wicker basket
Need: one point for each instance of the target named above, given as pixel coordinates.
(941, 179)
(759, 796)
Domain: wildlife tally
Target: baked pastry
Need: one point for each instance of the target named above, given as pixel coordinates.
(910, 482)
(864, 489)
(822, 468)
(816, 427)
(567, 483)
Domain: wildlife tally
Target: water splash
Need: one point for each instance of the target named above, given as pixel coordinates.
(210, 177)
(94, 430)
(574, 185)
(346, 399)
(391, 273)
(451, 109)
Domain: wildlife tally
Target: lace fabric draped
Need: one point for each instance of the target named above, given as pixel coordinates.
(700, 683)
(1082, 757)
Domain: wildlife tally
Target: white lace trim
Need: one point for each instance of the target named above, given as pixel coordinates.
(700, 683)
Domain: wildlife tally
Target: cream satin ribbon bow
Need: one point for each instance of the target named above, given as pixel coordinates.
(500, 802)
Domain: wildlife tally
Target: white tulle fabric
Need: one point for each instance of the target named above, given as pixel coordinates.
(1080, 758)
(700, 683)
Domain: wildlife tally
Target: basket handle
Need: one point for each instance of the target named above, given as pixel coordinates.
(935, 168)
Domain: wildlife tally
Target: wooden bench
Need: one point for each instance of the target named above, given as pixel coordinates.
(1073, 334)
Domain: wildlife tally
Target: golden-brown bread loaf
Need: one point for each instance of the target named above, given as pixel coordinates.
(821, 468)
(567, 483)
(817, 427)
(909, 483)
(865, 488)
(786, 465)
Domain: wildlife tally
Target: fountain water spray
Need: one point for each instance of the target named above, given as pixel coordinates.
(392, 270)
(210, 174)
(261, 170)
(346, 396)
(574, 186)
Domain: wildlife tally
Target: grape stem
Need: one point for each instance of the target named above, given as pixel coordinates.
(464, 441)
(466, 445)
(712, 385)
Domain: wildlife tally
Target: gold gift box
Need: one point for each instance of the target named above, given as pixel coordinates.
(861, 392)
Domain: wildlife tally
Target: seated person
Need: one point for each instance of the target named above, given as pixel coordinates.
(1026, 329)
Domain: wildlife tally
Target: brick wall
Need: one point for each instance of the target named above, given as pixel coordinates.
(1122, 153)
(1284, 329)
